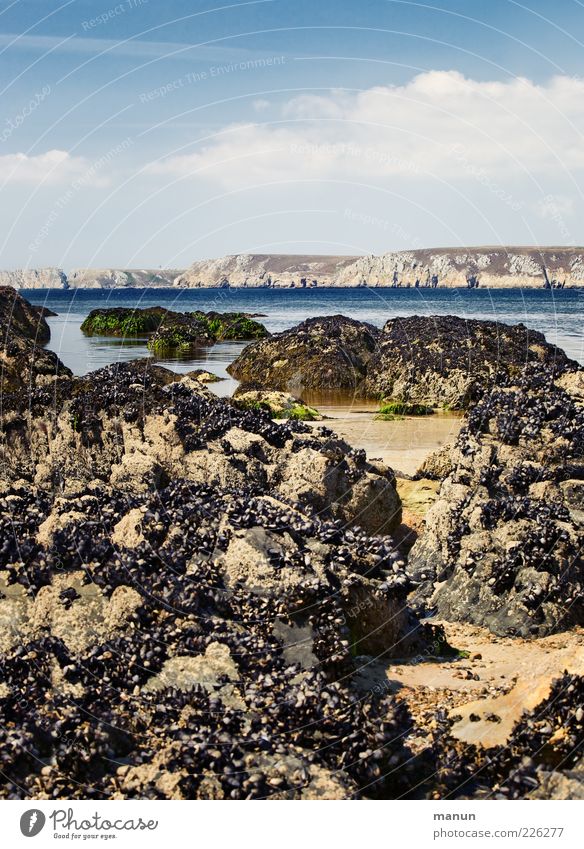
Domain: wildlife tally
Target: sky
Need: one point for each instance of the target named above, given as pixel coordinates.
(154, 133)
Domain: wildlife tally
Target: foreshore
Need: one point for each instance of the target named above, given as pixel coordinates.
(402, 444)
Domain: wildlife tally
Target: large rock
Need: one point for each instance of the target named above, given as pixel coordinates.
(542, 758)
(326, 353)
(502, 543)
(171, 331)
(280, 405)
(24, 363)
(443, 360)
(191, 641)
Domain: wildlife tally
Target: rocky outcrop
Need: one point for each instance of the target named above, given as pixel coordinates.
(487, 267)
(187, 591)
(34, 278)
(442, 361)
(326, 353)
(24, 362)
(183, 588)
(542, 758)
(202, 654)
(502, 544)
(235, 326)
(171, 331)
(420, 362)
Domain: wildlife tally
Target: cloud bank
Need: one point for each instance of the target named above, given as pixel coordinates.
(440, 123)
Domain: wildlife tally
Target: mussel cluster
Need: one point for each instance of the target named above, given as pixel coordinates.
(88, 723)
(510, 552)
(548, 740)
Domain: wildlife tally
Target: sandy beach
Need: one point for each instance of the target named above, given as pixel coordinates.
(403, 444)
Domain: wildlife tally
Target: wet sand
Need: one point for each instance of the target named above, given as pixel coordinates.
(402, 444)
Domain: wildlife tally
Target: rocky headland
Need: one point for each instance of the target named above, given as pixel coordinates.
(194, 597)
(486, 267)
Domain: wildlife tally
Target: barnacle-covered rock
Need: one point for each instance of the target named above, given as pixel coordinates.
(442, 361)
(211, 653)
(502, 544)
(325, 353)
(24, 362)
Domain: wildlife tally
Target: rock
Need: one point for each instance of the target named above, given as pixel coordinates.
(185, 587)
(415, 363)
(416, 496)
(178, 647)
(231, 325)
(170, 331)
(321, 353)
(124, 321)
(121, 278)
(541, 759)
(437, 465)
(204, 376)
(24, 362)
(503, 539)
(207, 670)
(441, 361)
(279, 405)
(135, 425)
(273, 271)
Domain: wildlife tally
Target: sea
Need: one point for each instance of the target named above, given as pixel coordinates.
(555, 312)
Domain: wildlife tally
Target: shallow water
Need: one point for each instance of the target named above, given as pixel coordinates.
(557, 313)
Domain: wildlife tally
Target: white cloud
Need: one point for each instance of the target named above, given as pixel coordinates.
(439, 123)
(54, 166)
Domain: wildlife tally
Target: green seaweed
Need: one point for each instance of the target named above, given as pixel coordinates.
(301, 413)
(131, 323)
(173, 339)
(398, 409)
(230, 326)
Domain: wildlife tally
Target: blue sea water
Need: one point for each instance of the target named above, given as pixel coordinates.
(557, 313)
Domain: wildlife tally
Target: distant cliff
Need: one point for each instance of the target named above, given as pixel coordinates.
(89, 278)
(273, 270)
(116, 278)
(34, 278)
(487, 267)
(439, 267)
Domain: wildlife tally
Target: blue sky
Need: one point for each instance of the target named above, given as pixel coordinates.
(156, 133)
